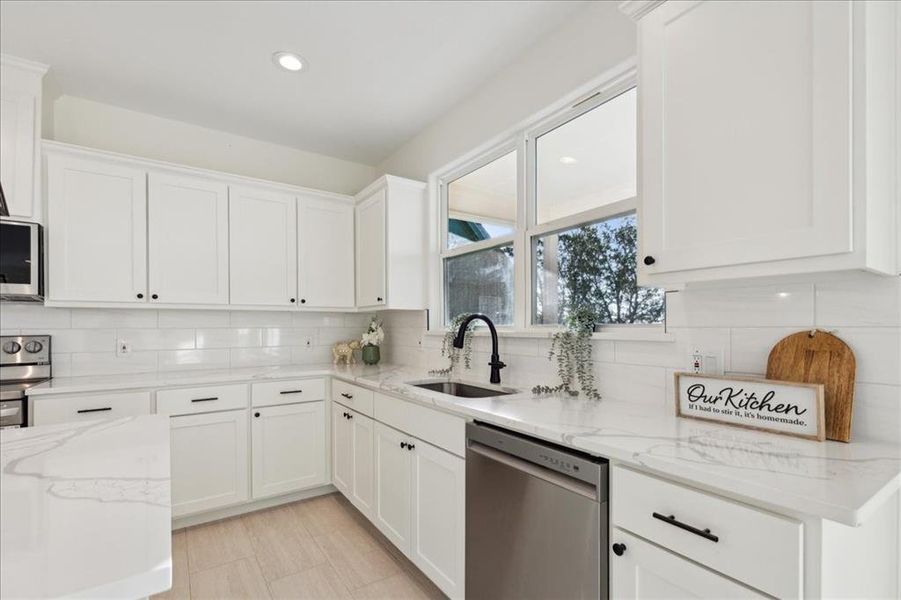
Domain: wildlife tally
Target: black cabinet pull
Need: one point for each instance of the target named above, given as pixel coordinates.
(256, 414)
(292, 392)
(205, 399)
(303, 300)
(410, 446)
(140, 296)
(154, 296)
(292, 300)
(403, 444)
(350, 416)
(90, 410)
(619, 549)
(379, 299)
(649, 260)
(348, 396)
(704, 533)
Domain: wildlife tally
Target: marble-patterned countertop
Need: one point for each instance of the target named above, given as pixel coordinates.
(842, 482)
(85, 509)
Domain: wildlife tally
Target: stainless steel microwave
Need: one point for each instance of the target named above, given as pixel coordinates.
(21, 261)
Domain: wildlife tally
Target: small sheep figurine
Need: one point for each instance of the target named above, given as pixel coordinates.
(345, 351)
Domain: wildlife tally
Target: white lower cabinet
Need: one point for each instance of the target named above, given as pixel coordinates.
(288, 448)
(352, 460)
(645, 570)
(439, 513)
(393, 513)
(209, 461)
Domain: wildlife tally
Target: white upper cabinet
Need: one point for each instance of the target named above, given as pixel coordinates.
(325, 252)
(188, 244)
(262, 247)
(749, 164)
(20, 136)
(391, 240)
(97, 230)
(371, 250)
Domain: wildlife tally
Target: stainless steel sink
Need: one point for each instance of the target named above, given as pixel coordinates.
(462, 390)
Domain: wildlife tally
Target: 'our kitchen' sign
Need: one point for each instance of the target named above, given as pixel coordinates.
(783, 407)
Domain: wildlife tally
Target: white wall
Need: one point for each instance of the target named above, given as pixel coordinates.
(84, 340)
(593, 41)
(743, 322)
(96, 125)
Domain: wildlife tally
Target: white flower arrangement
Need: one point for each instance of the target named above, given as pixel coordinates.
(374, 335)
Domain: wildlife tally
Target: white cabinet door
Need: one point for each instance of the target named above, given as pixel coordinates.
(363, 486)
(648, 571)
(288, 448)
(325, 252)
(97, 230)
(209, 461)
(439, 509)
(342, 450)
(371, 250)
(262, 247)
(393, 485)
(745, 147)
(188, 242)
(17, 140)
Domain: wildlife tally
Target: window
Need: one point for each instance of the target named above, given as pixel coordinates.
(574, 226)
(481, 205)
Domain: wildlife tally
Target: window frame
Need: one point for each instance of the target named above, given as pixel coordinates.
(523, 140)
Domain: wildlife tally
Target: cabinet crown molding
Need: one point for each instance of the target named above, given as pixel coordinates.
(636, 9)
(23, 63)
(387, 180)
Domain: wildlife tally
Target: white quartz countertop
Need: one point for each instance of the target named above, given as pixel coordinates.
(832, 480)
(85, 509)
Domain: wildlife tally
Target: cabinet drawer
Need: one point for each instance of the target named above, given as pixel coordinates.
(62, 409)
(440, 429)
(287, 392)
(352, 396)
(188, 401)
(720, 534)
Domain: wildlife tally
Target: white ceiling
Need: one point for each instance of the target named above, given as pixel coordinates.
(379, 71)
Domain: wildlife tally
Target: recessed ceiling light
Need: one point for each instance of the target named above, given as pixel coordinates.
(568, 160)
(289, 61)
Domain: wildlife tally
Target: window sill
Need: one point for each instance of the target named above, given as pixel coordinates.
(639, 334)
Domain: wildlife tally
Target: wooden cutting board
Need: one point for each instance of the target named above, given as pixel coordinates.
(819, 357)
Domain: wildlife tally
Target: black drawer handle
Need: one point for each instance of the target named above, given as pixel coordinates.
(350, 416)
(346, 395)
(292, 392)
(704, 533)
(205, 399)
(90, 410)
(410, 446)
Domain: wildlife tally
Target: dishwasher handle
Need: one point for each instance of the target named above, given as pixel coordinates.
(559, 479)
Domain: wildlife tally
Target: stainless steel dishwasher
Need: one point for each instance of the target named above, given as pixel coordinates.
(536, 518)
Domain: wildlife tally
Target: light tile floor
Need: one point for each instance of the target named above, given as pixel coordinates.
(321, 548)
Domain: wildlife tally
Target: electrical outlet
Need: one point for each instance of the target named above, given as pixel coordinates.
(706, 362)
(123, 347)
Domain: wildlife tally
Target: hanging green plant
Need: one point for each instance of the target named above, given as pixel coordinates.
(454, 355)
(572, 349)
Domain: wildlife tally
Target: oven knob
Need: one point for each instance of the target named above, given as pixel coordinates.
(12, 347)
(34, 347)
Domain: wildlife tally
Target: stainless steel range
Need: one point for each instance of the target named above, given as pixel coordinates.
(24, 363)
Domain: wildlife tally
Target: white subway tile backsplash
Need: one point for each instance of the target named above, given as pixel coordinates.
(631, 383)
(193, 319)
(280, 336)
(157, 339)
(260, 318)
(751, 347)
(108, 363)
(876, 413)
(333, 335)
(864, 300)
(760, 306)
(33, 316)
(260, 357)
(173, 360)
(229, 338)
(317, 355)
(318, 319)
(92, 318)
